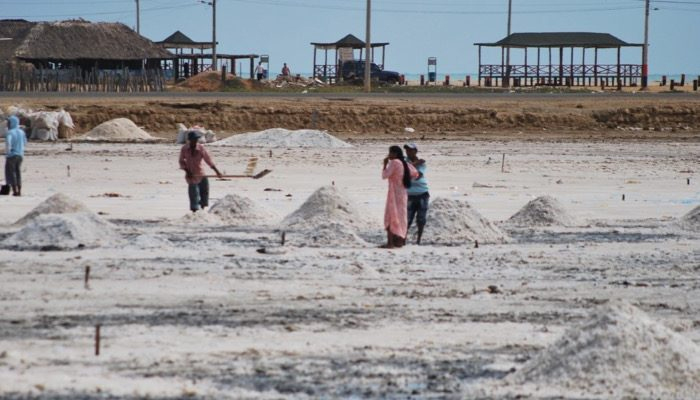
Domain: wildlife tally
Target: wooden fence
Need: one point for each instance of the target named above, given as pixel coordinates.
(22, 79)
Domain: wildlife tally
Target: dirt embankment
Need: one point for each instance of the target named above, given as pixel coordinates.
(369, 117)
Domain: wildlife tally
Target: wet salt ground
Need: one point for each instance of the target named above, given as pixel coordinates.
(228, 293)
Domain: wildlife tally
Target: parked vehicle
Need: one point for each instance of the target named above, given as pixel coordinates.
(355, 70)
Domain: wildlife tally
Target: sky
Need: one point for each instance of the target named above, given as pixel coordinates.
(415, 29)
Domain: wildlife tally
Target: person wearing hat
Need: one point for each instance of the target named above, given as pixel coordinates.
(418, 195)
(191, 156)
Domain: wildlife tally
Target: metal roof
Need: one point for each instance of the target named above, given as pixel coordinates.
(560, 39)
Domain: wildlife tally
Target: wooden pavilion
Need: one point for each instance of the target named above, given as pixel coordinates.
(557, 72)
(193, 57)
(345, 49)
(77, 55)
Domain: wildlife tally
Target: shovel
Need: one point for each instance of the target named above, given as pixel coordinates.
(252, 163)
(256, 176)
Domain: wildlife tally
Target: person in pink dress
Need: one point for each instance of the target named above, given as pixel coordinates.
(399, 173)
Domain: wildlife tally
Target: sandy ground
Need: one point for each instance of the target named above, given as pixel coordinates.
(202, 314)
(440, 116)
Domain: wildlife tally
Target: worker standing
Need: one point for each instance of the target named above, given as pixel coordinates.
(418, 195)
(15, 140)
(191, 156)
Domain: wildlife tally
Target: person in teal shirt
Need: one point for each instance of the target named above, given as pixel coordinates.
(15, 140)
(418, 195)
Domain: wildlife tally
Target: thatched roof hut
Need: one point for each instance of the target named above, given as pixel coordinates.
(76, 42)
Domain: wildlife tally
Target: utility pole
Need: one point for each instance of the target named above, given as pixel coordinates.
(368, 48)
(645, 49)
(138, 17)
(213, 35)
(506, 82)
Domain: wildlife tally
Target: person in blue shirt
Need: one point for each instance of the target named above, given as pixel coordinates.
(418, 195)
(15, 140)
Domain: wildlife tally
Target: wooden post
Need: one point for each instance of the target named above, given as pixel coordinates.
(97, 339)
(673, 84)
(503, 163)
(571, 72)
(252, 68)
(478, 82)
(583, 66)
(682, 80)
(503, 54)
(663, 80)
(695, 85)
(550, 66)
(87, 267)
(561, 65)
(538, 65)
(313, 67)
(525, 66)
(619, 83)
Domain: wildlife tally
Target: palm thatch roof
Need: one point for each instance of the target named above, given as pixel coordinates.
(74, 40)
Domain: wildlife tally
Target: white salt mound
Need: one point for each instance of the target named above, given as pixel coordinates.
(200, 218)
(279, 137)
(58, 203)
(327, 218)
(453, 222)
(691, 220)
(241, 211)
(150, 241)
(118, 130)
(618, 352)
(63, 232)
(542, 211)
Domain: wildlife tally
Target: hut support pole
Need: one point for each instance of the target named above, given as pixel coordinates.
(525, 66)
(583, 65)
(383, 55)
(561, 65)
(619, 83)
(595, 67)
(479, 81)
(538, 65)
(550, 66)
(252, 68)
(571, 72)
(313, 67)
(503, 55)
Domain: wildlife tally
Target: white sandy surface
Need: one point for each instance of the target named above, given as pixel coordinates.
(191, 308)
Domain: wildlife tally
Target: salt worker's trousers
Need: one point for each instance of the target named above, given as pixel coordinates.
(199, 194)
(418, 208)
(13, 173)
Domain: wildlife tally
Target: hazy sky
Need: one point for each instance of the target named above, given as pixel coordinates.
(416, 29)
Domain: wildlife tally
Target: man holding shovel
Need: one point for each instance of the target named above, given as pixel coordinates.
(191, 156)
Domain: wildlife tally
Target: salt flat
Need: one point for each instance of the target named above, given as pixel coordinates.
(190, 308)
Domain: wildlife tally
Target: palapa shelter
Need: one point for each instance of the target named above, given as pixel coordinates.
(343, 50)
(73, 51)
(193, 57)
(557, 72)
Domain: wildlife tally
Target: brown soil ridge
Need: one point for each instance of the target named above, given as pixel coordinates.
(374, 117)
